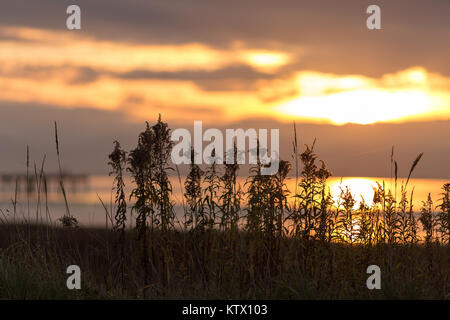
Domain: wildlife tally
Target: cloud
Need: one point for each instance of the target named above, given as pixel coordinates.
(239, 77)
(61, 48)
(198, 80)
(329, 35)
(71, 70)
(412, 94)
(233, 91)
(86, 137)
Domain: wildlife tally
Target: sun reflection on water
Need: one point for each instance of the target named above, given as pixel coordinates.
(362, 189)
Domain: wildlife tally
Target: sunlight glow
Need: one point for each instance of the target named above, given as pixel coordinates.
(360, 106)
(362, 187)
(359, 188)
(362, 100)
(266, 61)
(72, 70)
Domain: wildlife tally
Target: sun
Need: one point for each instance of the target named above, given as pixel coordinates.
(360, 188)
(328, 98)
(358, 106)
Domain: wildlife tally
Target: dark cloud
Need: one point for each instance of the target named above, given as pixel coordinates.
(229, 78)
(135, 104)
(233, 72)
(84, 75)
(239, 77)
(364, 150)
(86, 137)
(73, 75)
(328, 35)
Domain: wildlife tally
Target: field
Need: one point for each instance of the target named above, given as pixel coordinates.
(256, 241)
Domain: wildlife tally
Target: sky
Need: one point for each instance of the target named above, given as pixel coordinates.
(231, 64)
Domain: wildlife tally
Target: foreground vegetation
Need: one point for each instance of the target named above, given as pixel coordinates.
(259, 240)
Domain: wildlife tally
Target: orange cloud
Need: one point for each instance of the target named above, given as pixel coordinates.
(412, 94)
(55, 59)
(35, 47)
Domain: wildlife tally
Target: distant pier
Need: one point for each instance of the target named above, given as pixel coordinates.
(9, 182)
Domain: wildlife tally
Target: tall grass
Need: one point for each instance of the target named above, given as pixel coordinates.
(235, 241)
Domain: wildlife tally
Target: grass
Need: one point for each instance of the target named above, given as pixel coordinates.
(234, 242)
